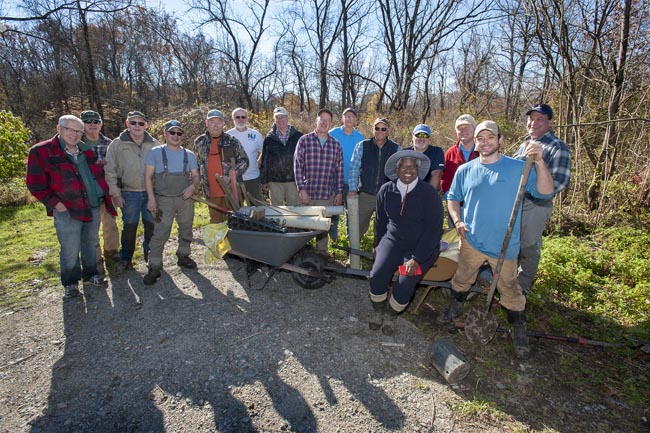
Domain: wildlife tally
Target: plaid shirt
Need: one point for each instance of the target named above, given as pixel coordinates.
(53, 178)
(318, 170)
(557, 157)
(102, 145)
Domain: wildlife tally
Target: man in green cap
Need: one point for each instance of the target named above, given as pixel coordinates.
(98, 141)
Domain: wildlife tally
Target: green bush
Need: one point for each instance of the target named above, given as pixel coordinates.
(14, 145)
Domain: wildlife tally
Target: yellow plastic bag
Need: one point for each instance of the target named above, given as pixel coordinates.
(214, 236)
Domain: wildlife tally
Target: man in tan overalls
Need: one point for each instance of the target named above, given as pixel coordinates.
(171, 175)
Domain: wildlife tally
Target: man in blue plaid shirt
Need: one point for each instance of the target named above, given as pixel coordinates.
(536, 212)
(318, 166)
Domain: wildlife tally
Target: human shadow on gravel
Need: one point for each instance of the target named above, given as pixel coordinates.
(142, 358)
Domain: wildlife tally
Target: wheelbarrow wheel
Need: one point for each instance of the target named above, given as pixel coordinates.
(313, 262)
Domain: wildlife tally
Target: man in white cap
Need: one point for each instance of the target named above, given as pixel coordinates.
(488, 186)
(218, 152)
(252, 142)
(459, 153)
(276, 170)
(171, 175)
(536, 212)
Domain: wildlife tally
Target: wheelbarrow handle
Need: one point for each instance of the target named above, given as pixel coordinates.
(511, 224)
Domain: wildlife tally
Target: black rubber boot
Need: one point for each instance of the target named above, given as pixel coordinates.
(519, 333)
(151, 277)
(377, 316)
(454, 309)
(388, 327)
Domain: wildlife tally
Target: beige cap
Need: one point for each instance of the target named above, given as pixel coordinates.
(280, 111)
(465, 119)
(487, 125)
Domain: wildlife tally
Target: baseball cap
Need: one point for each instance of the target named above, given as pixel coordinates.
(133, 114)
(422, 128)
(541, 108)
(381, 120)
(465, 119)
(215, 113)
(325, 110)
(171, 124)
(280, 111)
(349, 110)
(89, 115)
(487, 125)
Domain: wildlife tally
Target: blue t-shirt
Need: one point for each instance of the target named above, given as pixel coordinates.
(489, 192)
(348, 142)
(154, 159)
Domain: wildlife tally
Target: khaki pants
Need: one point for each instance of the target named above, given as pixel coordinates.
(172, 208)
(284, 194)
(322, 239)
(110, 236)
(367, 205)
(469, 262)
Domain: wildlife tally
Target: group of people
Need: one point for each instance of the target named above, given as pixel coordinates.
(82, 177)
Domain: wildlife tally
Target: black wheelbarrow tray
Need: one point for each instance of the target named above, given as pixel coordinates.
(281, 251)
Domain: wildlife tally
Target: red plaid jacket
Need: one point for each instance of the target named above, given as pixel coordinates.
(52, 178)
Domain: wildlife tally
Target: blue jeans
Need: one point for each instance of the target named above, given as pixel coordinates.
(135, 207)
(75, 238)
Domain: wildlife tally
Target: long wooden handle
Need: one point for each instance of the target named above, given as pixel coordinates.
(511, 224)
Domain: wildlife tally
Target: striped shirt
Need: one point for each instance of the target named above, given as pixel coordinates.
(318, 169)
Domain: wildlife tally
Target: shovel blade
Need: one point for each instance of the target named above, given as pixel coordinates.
(480, 325)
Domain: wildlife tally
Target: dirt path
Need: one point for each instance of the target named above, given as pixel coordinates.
(202, 351)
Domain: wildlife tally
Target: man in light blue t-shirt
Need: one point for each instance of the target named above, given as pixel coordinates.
(171, 176)
(488, 187)
(348, 136)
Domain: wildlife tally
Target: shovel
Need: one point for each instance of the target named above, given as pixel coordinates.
(481, 325)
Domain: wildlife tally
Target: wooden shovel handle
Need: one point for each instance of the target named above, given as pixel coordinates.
(511, 224)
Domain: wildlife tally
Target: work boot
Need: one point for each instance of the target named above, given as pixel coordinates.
(96, 280)
(123, 266)
(519, 333)
(388, 327)
(377, 316)
(186, 262)
(151, 277)
(454, 309)
(71, 291)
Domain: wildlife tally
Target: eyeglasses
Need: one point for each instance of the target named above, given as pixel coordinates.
(93, 121)
(133, 122)
(377, 128)
(76, 131)
(421, 135)
(179, 133)
(240, 117)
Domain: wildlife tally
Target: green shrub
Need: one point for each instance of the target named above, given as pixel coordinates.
(14, 145)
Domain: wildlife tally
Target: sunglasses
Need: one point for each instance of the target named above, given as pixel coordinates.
(93, 121)
(133, 122)
(179, 133)
(240, 117)
(377, 128)
(422, 135)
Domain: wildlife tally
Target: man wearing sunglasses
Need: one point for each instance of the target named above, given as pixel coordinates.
(367, 170)
(422, 144)
(63, 174)
(98, 141)
(171, 175)
(252, 142)
(125, 176)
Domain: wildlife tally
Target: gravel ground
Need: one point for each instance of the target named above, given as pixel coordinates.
(207, 350)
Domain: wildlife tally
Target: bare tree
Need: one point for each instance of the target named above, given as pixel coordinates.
(240, 41)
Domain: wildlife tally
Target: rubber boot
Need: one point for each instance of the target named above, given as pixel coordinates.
(388, 327)
(377, 316)
(454, 309)
(519, 333)
(151, 277)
